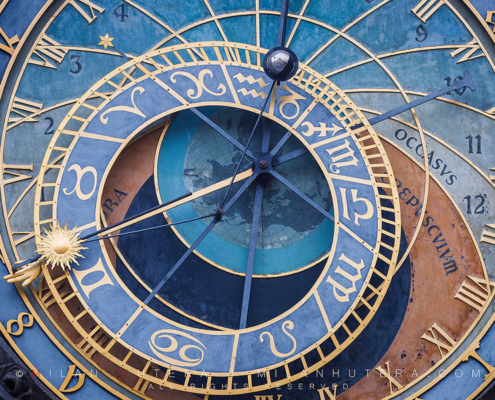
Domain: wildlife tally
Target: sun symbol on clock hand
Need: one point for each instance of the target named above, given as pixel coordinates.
(61, 246)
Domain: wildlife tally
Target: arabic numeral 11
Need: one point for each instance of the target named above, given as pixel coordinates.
(476, 139)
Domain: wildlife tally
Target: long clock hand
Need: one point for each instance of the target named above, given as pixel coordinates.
(258, 201)
(28, 270)
(282, 26)
(247, 145)
(200, 238)
(302, 195)
(465, 82)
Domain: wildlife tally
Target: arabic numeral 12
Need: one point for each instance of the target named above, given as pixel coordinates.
(480, 207)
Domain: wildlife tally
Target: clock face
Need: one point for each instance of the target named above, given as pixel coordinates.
(194, 229)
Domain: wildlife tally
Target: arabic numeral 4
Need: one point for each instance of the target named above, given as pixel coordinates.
(478, 204)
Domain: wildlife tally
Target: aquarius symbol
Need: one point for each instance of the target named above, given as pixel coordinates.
(185, 361)
(253, 93)
(200, 84)
(322, 129)
(241, 78)
(287, 325)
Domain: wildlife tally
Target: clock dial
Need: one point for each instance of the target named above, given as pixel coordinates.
(223, 235)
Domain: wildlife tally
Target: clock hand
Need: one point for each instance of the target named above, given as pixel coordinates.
(173, 203)
(247, 145)
(32, 266)
(201, 237)
(257, 212)
(223, 133)
(282, 26)
(151, 228)
(119, 225)
(465, 82)
(289, 185)
(258, 201)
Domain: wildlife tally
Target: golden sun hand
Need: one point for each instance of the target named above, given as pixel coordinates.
(60, 246)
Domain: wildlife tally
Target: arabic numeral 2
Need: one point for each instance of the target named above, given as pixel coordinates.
(49, 130)
(480, 208)
(471, 139)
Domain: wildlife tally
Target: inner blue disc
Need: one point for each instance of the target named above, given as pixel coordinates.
(292, 234)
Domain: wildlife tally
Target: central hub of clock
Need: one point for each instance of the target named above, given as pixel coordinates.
(292, 235)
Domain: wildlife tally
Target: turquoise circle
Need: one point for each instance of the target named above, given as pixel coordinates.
(292, 234)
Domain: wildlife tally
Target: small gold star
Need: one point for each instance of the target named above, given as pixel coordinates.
(106, 41)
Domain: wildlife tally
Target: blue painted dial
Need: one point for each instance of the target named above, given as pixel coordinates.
(356, 261)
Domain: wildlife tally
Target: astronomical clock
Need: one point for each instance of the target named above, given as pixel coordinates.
(247, 199)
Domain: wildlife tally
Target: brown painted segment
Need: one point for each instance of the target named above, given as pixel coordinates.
(131, 170)
(432, 295)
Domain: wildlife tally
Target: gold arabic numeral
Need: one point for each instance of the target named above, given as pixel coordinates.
(426, 8)
(474, 296)
(22, 109)
(446, 343)
(9, 47)
(17, 177)
(474, 354)
(488, 236)
(467, 51)
(268, 397)
(98, 268)
(20, 324)
(391, 380)
(326, 394)
(343, 296)
(286, 326)
(80, 172)
(97, 335)
(92, 7)
(342, 156)
(133, 110)
(48, 52)
(71, 374)
(200, 84)
(291, 99)
(370, 211)
(489, 19)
